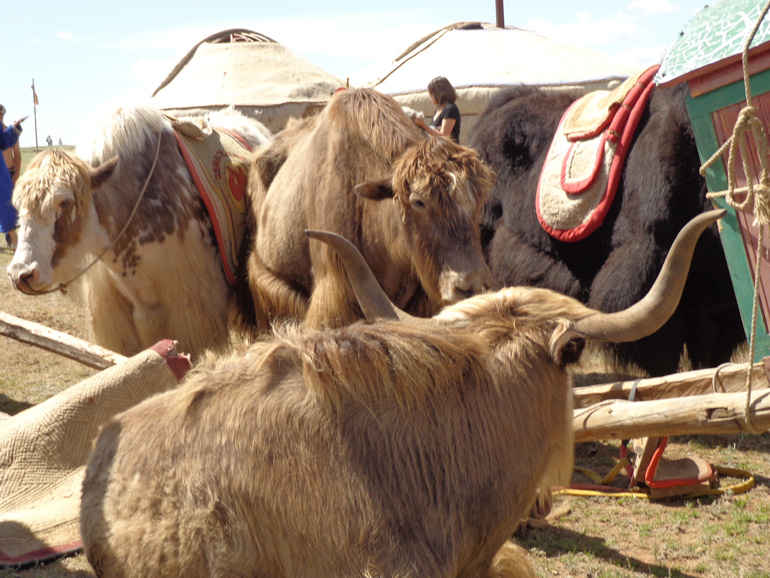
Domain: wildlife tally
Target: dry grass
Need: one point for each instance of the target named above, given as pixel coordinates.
(722, 536)
(598, 537)
(31, 375)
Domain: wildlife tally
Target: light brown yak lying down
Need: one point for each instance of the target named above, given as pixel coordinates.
(396, 447)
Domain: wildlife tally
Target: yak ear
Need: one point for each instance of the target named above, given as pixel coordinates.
(566, 345)
(103, 172)
(375, 190)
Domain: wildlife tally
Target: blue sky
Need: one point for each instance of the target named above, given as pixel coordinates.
(86, 55)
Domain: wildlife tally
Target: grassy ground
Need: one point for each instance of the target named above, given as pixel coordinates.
(597, 537)
(722, 536)
(28, 153)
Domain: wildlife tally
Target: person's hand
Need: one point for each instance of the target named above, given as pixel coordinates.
(21, 120)
(419, 121)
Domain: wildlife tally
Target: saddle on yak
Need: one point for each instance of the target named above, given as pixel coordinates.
(585, 160)
(217, 160)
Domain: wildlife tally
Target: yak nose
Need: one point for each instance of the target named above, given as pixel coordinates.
(476, 282)
(23, 277)
(467, 285)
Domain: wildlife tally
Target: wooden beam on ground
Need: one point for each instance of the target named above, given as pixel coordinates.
(57, 342)
(716, 413)
(730, 378)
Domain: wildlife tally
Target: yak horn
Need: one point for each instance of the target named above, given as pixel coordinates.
(648, 315)
(371, 297)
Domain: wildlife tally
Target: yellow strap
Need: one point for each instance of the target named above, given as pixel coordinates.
(609, 478)
(740, 488)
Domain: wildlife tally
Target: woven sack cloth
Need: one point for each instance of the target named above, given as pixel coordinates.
(43, 452)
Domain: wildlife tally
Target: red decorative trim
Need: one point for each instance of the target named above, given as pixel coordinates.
(201, 186)
(234, 135)
(40, 556)
(624, 123)
(575, 187)
(178, 363)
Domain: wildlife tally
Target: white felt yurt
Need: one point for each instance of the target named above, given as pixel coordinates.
(479, 59)
(257, 75)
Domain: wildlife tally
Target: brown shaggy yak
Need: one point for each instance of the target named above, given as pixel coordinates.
(364, 170)
(393, 447)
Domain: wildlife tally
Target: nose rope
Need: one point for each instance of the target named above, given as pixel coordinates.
(63, 286)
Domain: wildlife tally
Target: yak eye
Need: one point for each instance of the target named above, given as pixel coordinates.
(66, 205)
(417, 203)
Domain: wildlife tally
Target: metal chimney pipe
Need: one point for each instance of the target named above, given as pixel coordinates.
(500, 18)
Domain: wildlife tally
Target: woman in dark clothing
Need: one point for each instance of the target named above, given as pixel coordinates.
(446, 119)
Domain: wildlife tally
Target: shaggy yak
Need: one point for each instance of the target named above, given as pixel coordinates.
(389, 447)
(659, 191)
(364, 170)
(163, 276)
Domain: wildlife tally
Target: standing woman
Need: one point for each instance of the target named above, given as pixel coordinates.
(446, 119)
(12, 155)
(8, 216)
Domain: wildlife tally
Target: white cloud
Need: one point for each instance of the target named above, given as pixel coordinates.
(356, 47)
(147, 74)
(643, 56)
(587, 30)
(347, 40)
(66, 36)
(376, 36)
(179, 39)
(649, 7)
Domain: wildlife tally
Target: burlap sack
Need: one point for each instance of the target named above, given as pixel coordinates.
(43, 451)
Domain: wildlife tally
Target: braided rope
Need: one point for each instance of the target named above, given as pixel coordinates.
(757, 197)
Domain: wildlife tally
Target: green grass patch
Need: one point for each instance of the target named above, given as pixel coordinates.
(28, 153)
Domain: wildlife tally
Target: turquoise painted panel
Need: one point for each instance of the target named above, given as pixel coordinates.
(733, 93)
(716, 32)
(700, 110)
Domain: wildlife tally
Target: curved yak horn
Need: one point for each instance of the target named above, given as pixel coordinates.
(371, 297)
(648, 315)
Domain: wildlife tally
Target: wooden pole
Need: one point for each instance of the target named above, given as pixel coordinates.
(717, 413)
(730, 378)
(499, 16)
(57, 342)
(34, 110)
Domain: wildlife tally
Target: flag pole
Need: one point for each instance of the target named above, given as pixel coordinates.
(34, 109)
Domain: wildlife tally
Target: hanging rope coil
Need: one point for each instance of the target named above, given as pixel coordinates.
(757, 198)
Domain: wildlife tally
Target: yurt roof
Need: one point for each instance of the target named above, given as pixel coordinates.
(243, 68)
(480, 54)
